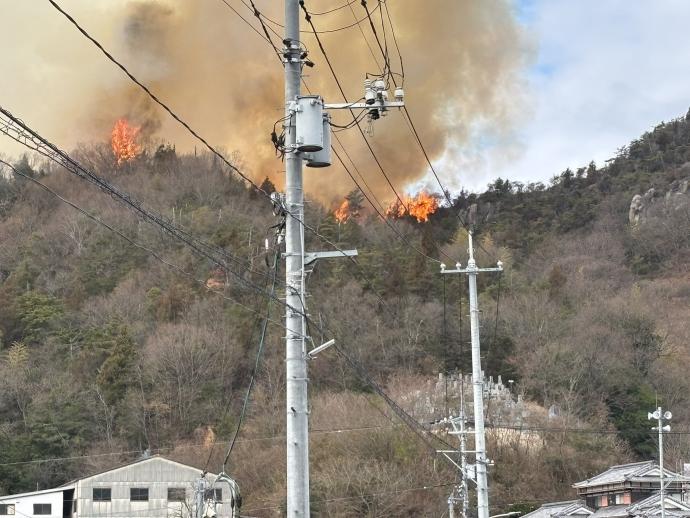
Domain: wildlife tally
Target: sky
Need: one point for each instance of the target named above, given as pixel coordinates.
(599, 73)
(604, 72)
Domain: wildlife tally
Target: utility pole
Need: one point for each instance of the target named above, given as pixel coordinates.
(477, 378)
(460, 492)
(297, 425)
(307, 139)
(659, 416)
(200, 487)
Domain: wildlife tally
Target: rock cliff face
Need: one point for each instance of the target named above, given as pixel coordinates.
(644, 206)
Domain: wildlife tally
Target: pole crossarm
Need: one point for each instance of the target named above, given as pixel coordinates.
(365, 106)
(311, 257)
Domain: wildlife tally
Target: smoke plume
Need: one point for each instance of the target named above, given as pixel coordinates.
(463, 61)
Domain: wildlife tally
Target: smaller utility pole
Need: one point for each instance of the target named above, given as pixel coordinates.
(477, 378)
(459, 492)
(201, 485)
(659, 416)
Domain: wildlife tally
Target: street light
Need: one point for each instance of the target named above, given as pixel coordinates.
(659, 416)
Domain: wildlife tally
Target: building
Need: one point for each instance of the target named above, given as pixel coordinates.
(627, 484)
(151, 487)
(624, 491)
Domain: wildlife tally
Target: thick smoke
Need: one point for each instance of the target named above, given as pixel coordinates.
(463, 63)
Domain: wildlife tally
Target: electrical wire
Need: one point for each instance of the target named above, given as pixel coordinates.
(345, 498)
(342, 92)
(361, 372)
(381, 215)
(395, 40)
(413, 128)
(257, 361)
(132, 242)
(259, 352)
(60, 157)
(348, 4)
(237, 171)
(324, 31)
(267, 38)
(195, 134)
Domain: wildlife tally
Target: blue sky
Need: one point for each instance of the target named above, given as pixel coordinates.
(604, 72)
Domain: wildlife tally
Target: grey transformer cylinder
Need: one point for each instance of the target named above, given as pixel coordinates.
(322, 158)
(309, 123)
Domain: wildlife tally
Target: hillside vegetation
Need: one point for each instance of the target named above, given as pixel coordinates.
(105, 348)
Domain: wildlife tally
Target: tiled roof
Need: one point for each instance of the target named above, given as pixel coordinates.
(554, 509)
(653, 502)
(612, 511)
(622, 473)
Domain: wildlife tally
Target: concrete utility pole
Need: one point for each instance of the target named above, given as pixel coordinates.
(659, 416)
(459, 492)
(295, 351)
(200, 487)
(477, 379)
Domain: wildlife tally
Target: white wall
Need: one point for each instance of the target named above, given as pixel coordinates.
(24, 505)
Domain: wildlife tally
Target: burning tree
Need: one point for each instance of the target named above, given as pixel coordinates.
(123, 141)
(350, 208)
(419, 207)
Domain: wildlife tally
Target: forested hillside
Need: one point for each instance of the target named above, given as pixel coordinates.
(112, 344)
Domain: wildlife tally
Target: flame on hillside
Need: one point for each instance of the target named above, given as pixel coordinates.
(342, 213)
(419, 207)
(124, 141)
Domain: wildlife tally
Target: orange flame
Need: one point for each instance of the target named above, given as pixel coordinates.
(123, 141)
(342, 213)
(419, 207)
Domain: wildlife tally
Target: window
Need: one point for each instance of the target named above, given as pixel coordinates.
(6, 509)
(214, 494)
(42, 509)
(101, 494)
(139, 494)
(177, 494)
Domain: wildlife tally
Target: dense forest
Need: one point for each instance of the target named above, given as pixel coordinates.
(112, 343)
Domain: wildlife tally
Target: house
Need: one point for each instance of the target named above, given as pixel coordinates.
(624, 491)
(150, 487)
(569, 508)
(627, 484)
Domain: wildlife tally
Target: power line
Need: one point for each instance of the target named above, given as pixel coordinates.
(214, 151)
(342, 92)
(188, 127)
(345, 498)
(348, 4)
(395, 40)
(325, 31)
(265, 37)
(255, 371)
(383, 217)
(121, 234)
(32, 140)
(413, 128)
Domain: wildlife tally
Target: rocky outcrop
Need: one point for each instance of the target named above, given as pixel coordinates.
(644, 206)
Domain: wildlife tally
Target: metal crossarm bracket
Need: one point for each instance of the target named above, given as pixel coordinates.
(310, 257)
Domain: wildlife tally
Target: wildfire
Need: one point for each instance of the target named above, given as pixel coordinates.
(420, 207)
(342, 213)
(123, 141)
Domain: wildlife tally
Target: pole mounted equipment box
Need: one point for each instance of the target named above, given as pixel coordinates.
(309, 123)
(322, 158)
